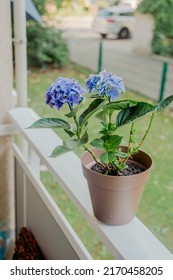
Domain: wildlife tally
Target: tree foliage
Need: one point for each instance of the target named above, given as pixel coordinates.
(45, 46)
(41, 4)
(162, 11)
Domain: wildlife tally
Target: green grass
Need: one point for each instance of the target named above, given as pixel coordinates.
(156, 207)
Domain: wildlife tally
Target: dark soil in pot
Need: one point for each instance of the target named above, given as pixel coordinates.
(132, 169)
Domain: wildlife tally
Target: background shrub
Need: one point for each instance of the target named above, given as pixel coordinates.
(45, 46)
(161, 10)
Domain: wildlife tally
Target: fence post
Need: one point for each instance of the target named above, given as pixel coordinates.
(100, 56)
(164, 74)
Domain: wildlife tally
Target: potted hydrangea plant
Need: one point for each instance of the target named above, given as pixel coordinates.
(116, 174)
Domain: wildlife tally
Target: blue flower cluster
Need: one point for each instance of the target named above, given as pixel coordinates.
(106, 84)
(64, 90)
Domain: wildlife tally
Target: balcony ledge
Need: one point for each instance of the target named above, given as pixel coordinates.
(132, 241)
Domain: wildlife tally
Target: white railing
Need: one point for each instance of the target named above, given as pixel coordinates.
(37, 210)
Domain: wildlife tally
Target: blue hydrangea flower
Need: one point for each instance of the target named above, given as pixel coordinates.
(92, 81)
(64, 90)
(106, 84)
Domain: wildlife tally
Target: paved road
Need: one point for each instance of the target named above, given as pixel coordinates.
(140, 73)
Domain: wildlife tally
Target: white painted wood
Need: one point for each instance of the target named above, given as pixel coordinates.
(131, 241)
(46, 220)
(20, 57)
(20, 51)
(7, 129)
(14, 98)
(20, 197)
(34, 162)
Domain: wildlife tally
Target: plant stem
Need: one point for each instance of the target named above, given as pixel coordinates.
(128, 147)
(92, 154)
(147, 131)
(110, 116)
(131, 132)
(76, 123)
(143, 139)
(109, 113)
(78, 136)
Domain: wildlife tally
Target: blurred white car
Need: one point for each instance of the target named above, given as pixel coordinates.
(115, 20)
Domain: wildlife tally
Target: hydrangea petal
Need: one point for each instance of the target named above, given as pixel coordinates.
(106, 84)
(64, 90)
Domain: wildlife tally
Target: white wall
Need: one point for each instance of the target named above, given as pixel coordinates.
(143, 33)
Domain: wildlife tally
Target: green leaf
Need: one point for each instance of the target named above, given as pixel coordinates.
(98, 143)
(104, 158)
(111, 156)
(120, 154)
(50, 123)
(108, 128)
(84, 139)
(164, 103)
(122, 166)
(111, 142)
(72, 144)
(130, 114)
(133, 139)
(101, 116)
(69, 132)
(107, 157)
(92, 108)
(119, 105)
(59, 150)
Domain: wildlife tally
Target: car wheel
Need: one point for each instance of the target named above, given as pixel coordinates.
(124, 33)
(103, 35)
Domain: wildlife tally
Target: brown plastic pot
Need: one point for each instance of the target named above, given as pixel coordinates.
(115, 199)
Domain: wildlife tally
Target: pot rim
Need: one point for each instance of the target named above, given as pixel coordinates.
(88, 166)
